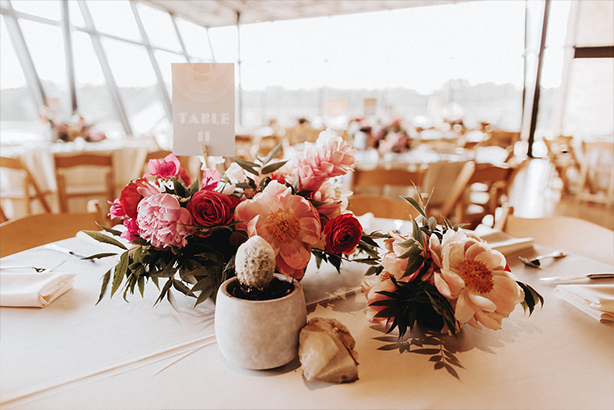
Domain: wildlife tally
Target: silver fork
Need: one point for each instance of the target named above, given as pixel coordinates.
(36, 268)
(535, 262)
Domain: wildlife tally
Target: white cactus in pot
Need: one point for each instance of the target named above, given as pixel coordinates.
(255, 264)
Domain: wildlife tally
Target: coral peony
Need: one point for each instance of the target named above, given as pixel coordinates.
(475, 275)
(162, 221)
(329, 157)
(288, 222)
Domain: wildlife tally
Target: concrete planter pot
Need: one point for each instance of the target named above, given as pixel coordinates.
(259, 334)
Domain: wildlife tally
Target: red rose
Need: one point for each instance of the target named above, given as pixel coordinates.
(130, 196)
(210, 208)
(129, 199)
(184, 176)
(342, 234)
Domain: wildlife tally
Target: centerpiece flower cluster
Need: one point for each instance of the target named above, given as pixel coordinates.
(72, 129)
(188, 233)
(442, 277)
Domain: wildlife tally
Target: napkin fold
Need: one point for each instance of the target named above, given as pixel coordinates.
(505, 243)
(19, 289)
(597, 301)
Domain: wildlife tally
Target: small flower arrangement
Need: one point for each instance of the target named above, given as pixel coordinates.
(189, 234)
(72, 129)
(443, 278)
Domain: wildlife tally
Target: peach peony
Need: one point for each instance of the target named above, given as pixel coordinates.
(288, 222)
(330, 157)
(473, 276)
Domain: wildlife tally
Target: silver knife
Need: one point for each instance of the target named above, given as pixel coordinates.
(58, 248)
(606, 275)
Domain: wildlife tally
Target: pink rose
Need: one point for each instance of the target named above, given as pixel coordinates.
(132, 194)
(163, 222)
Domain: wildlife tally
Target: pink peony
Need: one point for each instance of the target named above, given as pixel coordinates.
(288, 222)
(330, 157)
(162, 221)
(168, 167)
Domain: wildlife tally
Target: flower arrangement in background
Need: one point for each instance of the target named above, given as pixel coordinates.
(443, 278)
(188, 234)
(72, 129)
(394, 142)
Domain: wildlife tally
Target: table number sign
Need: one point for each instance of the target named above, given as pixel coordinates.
(203, 108)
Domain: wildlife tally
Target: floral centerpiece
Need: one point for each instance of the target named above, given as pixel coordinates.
(443, 277)
(72, 129)
(188, 234)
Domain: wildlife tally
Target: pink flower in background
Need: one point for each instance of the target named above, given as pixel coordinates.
(162, 221)
(288, 222)
(211, 178)
(330, 157)
(168, 167)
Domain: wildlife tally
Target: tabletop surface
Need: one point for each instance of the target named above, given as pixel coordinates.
(74, 354)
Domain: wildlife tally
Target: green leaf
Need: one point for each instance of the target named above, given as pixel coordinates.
(247, 165)
(194, 187)
(418, 207)
(273, 167)
(109, 230)
(171, 298)
(417, 233)
(163, 292)
(100, 255)
(141, 283)
(179, 188)
(181, 287)
(205, 294)
(272, 154)
(100, 237)
(105, 284)
(120, 272)
(374, 270)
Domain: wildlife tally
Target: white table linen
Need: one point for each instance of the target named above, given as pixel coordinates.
(26, 289)
(597, 301)
(133, 355)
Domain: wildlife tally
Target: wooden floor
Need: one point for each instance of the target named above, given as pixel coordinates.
(536, 192)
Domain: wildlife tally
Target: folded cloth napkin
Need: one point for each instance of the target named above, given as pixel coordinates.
(597, 301)
(504, 243)
(33, 289)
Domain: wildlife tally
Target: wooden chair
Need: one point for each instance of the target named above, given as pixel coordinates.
(382, 178)
(503, 138)
(29, 231)
(266, 145)
(3, 217)
(562, 157)
(597, 172)
(563, 233)
(100, 162)
(381, 207)
(452, 207)
(29, 191)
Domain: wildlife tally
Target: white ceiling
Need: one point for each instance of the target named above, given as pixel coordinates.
(214, 13)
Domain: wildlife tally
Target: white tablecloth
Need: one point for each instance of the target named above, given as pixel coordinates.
(75, 355)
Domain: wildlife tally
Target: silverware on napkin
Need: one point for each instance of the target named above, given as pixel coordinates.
(605, 275)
